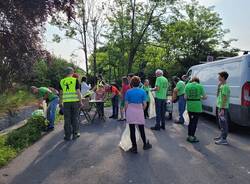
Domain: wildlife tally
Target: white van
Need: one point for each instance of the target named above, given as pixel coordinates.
(238, 69)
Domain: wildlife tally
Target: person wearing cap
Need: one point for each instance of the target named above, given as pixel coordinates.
(52, 99)
(223, 101)
(178, 96)
(161, 88)
(70, 100)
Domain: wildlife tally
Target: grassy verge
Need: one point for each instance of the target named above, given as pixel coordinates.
(11, 100)
(16, 141)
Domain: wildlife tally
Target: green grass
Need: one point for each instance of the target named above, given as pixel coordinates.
(11, 100)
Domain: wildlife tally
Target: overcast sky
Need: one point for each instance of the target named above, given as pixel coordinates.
(235, 15)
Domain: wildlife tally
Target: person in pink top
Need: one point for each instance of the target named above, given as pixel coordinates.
(135, 103)
(100, 95)
(125, 88)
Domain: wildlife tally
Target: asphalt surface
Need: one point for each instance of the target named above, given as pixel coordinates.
(95, 157)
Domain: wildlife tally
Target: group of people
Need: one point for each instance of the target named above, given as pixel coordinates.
(135, 97)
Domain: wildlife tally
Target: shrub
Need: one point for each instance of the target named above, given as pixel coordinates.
(28, 134)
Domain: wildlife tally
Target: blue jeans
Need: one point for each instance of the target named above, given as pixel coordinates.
(51, 112)
(160, 107)
(223, 121)
(181, 108)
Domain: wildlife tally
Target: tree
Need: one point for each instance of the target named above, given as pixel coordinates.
(193, 33)
(133, 20)
(85, 27)
(20, 30)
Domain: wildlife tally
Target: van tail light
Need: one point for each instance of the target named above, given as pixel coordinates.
(245, 97)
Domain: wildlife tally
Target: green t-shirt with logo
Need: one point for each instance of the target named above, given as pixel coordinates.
(224, 90)
(146, 89)
(180, 86)
(194, 91)
(42, 91)
(162, 83)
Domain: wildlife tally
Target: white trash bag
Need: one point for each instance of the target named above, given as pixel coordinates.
(186, 117)
(151, 109)
(125, 142)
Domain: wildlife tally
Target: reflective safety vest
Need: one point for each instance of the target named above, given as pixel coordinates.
(68, 85)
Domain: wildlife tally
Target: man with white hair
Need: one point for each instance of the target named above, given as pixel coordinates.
(161, 88)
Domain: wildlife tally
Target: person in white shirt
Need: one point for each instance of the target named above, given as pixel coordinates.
(84, 86)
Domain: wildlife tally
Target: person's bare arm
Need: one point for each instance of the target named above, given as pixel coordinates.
(126, 105)
(156, 88)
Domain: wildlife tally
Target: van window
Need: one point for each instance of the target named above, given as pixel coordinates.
(209, 74)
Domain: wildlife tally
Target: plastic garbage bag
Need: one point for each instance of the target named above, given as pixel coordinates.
(38, 112)
(169, 106)
(175, 112)
(186, 117)
(151, 109)
(125, 142)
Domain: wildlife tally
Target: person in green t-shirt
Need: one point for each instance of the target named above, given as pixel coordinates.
(51, 97)
(161, 88)
(178, 96)
(146, 88)
(194, 93)
(223, 100)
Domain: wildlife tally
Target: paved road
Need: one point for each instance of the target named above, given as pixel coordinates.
(95, 158)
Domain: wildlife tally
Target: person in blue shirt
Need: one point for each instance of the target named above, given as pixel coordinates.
(135, 103)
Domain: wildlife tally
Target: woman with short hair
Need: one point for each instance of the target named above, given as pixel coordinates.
(135, 103)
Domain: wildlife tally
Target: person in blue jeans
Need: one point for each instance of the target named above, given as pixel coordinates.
(178, 96)
(161, 88)
(50, 96)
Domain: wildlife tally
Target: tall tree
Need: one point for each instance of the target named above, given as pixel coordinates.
(133, 20)
(85, 27)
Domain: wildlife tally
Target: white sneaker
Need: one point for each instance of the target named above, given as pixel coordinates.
(221, 142)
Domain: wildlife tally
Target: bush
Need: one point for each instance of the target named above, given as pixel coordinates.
(6, 152)
(28, 134)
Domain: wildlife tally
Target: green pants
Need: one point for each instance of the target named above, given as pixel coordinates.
(71, 118)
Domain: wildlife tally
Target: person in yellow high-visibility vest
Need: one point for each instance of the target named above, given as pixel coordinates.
(70, 100)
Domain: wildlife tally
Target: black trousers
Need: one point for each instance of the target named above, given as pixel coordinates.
(100, 106)
(194, 117)
(146, 111)
(132, 134)
(115, 105)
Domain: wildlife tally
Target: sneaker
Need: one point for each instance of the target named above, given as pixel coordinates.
(163, 127)
(217, 138)
(111, 116)
(133, 150)
(49, 129)
(221, 142)
(192, 139)
(147, 146)
(196, 139)
(155, 128)
(76, 136)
